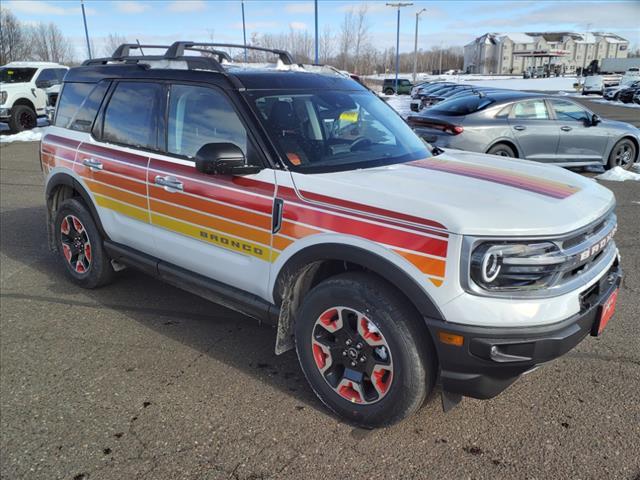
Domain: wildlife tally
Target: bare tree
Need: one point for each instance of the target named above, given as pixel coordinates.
(111, 43)
(327, 44)
(49, 45)
(361, 33)
(346, 38)
(13, 42)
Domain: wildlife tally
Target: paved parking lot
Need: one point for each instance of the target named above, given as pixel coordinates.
(142, 380)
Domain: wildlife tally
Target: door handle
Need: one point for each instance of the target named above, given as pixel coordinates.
(93, 164)
(170, 184)
(566, 129)
(519, 127)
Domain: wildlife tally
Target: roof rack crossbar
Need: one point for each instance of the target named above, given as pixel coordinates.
(125, 49)
(177, 49)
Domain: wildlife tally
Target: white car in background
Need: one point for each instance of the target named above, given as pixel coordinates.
(26, 90)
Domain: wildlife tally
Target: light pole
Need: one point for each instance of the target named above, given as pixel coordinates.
(398, 5)
(86, 31)
(415, 46)
(244, 34)
(316, 12)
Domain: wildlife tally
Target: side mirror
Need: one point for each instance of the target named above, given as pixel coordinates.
(223, 159)
(44, 83)
(595, 119)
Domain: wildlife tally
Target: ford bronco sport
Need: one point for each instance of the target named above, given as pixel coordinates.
(297, 197)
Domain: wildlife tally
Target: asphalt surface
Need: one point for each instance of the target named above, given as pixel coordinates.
(142, 380)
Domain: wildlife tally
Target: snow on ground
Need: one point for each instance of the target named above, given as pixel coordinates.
(27, 136)
(400, 103)
(619, 174)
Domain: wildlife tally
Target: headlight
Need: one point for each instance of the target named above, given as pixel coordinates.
(503, 267)
(3, 97)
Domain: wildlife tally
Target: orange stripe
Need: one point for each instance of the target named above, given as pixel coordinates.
(430, 266)
(280, 243)
(114, 180)
(297, 231)
(126, 197)
(204, 205)
(241, 231)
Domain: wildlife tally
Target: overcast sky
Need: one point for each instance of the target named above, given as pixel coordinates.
(445, 22)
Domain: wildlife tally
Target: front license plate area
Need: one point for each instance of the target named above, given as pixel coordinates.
(605, 312)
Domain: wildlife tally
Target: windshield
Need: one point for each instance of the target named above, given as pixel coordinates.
(337, 130)
(16, 75)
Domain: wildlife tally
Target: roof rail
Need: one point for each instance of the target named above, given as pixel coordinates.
(177, 50)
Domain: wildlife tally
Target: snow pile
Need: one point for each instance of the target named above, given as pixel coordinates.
(619, 174)
(34, 135)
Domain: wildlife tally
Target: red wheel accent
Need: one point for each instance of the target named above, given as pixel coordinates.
(66, 250)
(365, 328)
(319, 356)
(77, 225)
(381, 379)
(331, 319)
(348, 391)
(64, 227)
(87, 251)
(80, 267)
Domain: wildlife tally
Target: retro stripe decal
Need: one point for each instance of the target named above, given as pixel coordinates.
(538, 185)
(235, 212)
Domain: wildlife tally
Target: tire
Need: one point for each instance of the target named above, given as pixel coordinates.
(502, 150)
(22, 118)
(623, 154)
(400, 365)
(389, 91)
(80, 246)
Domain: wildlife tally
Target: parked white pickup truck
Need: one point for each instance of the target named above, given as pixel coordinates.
(26, 89)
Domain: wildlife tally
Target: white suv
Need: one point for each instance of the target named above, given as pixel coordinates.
(26, 90)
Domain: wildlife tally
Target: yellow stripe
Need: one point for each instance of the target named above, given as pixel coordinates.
(211, 236)
(128, 210)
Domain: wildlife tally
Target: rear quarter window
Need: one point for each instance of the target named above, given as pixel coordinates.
(78, 105)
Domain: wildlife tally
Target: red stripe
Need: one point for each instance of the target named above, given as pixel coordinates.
(559, 192)
(128, 171)
(63, 152)
(68, 142)
(377, 233)
(189, 171)
(115, 154)
(291, 194)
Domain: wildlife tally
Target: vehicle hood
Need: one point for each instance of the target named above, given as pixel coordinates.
(8, 87)
(470, 193)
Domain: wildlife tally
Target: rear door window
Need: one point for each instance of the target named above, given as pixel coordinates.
(530, 110)
(131, 117)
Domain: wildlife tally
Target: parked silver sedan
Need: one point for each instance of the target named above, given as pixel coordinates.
(543, 128)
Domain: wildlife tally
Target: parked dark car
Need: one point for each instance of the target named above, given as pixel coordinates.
(428, 97)
(389, 86)
(626, 95)
(537, 127)
(428, 86)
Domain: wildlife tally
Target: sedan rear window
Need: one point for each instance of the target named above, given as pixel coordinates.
(462, 106)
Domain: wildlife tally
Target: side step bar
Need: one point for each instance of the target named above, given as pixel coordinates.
(217, 292)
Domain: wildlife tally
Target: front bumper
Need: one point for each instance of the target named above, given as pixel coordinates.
(5, 113)
(491, 358)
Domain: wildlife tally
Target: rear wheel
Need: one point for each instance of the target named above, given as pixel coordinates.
(364, 352)
(502, 149)
(389, 91)
(22, 118)
(80, 246)
(623, 154)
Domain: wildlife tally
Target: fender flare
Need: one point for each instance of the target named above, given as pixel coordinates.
(61, 178)
(372, 261)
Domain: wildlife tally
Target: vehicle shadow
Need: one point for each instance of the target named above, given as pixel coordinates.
(211, 329)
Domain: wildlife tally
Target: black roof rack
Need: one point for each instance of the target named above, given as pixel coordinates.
(177, 50)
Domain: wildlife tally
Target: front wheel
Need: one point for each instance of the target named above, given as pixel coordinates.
(623, 154)
(389, 91)
(366, 354)
(80, 246)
